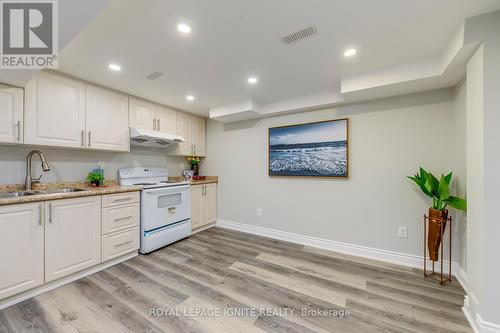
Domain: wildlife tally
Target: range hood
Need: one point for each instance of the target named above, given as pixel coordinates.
(145, 138)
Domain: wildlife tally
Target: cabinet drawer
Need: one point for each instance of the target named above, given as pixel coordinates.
(120, 243)
(112, 200)
(120, 218)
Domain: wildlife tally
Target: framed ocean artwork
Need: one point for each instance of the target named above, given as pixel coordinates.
(319, 149)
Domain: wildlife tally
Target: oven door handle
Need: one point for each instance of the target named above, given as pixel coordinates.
(168, 190)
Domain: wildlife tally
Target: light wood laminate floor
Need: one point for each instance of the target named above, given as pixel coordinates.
(217, 271)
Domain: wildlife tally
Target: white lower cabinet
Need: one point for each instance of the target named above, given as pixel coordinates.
(119, 243)
(72, 236)
(203, 205)
(120, 224)
(21, 248)
(48, 241)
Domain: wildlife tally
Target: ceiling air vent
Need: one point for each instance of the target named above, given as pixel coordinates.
(299, 35)
(154, 75)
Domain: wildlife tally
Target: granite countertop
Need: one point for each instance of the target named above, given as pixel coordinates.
(109, 188)
(207, 180)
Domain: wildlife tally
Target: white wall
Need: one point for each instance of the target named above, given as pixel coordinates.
(475, 175)
(483, 165)
(73, 165)
(459, 169)
(389, 139)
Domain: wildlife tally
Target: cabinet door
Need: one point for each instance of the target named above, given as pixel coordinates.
(196, 206)
(106, 119)
(199, 132)
(21, 248)
(72, 236)
(167, 120)
(185, 128)
(210, 204)
(54, 111)
(11, 115)
(142, 114)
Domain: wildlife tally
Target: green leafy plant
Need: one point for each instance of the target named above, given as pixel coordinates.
(95, 177)
(438, 190)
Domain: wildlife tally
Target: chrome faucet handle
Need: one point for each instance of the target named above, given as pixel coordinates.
(36, 180)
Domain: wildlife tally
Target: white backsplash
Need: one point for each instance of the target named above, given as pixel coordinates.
(73, 165)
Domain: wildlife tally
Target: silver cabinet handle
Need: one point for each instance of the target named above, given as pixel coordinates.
(122, 243)
(40, 214)
(122, 199)
(159, 126)
(82, 135)
(123, 218)
(90, 136)
(19, 130)
(154, 124)
(50, 212)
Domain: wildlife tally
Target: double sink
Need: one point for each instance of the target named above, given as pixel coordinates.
(41, 192)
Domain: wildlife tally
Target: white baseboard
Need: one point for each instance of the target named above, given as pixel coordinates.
(476, 321)
(59, 283)
(393, 257)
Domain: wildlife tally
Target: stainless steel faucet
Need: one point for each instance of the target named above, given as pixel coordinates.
(45, 167)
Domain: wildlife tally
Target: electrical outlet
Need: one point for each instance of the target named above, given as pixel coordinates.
(259, 212)
(403, 232)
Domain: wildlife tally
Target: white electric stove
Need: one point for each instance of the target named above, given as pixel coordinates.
(165, 206)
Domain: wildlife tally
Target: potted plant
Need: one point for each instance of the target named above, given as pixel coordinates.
(95, 178)
(439, 192)
(194, 161)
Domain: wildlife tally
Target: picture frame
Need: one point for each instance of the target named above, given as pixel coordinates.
(316, 149)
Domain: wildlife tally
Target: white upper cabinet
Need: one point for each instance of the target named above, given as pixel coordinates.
(151, 116)
(106, 119)
(11, 115)
(166, 120)
(142, 114)
(61, 111)
(54, 111)
(185, 129)
(21, 248)
(192, 129)
(64, 112)
(72, 236)
(199, 136)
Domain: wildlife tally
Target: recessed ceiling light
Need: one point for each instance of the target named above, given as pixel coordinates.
(184, 28)
(350, 52)
(252, 80)
(115, 67)
(190, 98)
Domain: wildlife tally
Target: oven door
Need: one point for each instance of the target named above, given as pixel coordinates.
(163, 206)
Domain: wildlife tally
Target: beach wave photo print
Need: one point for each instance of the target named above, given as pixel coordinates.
(309, 150)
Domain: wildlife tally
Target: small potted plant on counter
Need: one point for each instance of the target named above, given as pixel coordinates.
(194, 161)
(95, 178)
(439, 192)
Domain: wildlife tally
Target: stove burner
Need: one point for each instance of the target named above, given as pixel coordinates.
(144, 184)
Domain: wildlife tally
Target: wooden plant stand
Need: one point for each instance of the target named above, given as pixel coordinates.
(443, 278)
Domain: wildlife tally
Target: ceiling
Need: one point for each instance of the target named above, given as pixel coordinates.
(232, 40)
